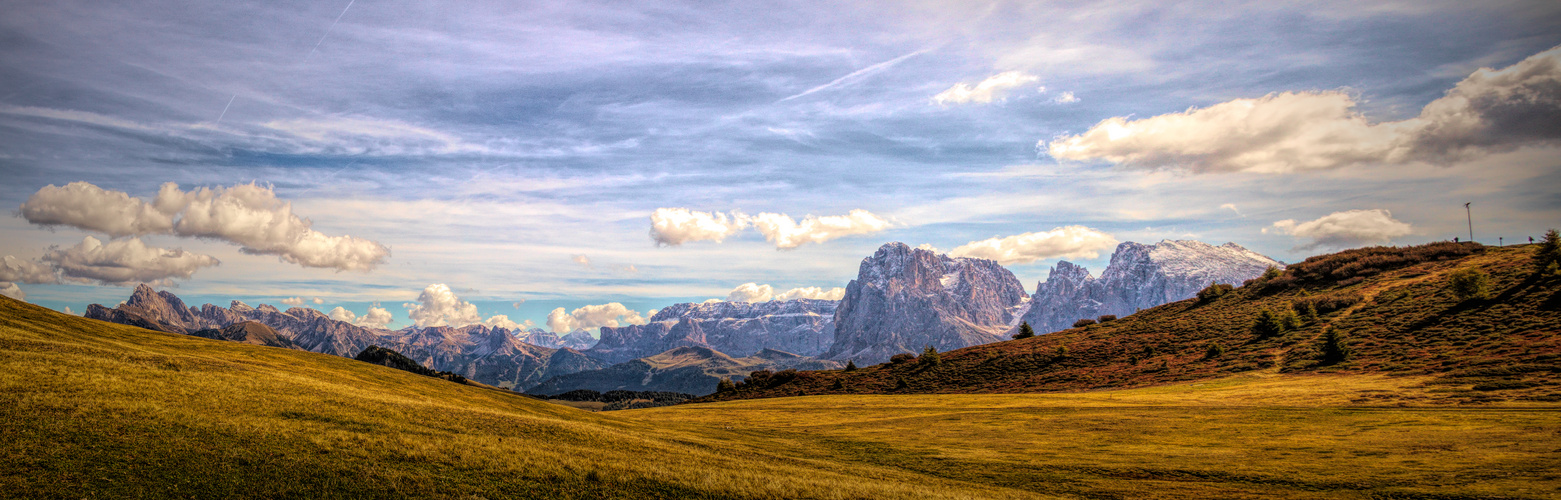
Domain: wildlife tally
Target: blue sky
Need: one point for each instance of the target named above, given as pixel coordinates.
(486, 145)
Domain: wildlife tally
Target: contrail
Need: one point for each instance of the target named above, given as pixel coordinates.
(225, 109)
(328, 30)
(856, 74)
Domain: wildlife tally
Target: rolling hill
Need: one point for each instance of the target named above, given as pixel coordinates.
(90, 409)
(689, 370)
(1393, 308)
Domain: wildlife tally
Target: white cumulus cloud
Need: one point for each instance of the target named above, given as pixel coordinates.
(247, 215)
(786, 232)
(376, 317)
(676, 226)
(503, 321)
(1491, 111)
(26, 271)
(751, 292)
(293, 301)
(1345, 229)
(812, 292)
(125, 261)
(582, 260)
(754, 292)
(438, 306)
(1076, 242)
(1065, 98)
(986, 91)
(10, 289)
(593, 316)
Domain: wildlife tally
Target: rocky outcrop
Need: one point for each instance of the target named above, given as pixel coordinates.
(687, 369)
(248, 332)
(905, 299)
(578, 340)
(1139, 277)
(490, 355)
(802, 326)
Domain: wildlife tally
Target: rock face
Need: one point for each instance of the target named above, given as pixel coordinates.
(492, 356)
(905, 299)
(578, 340)
(801, 326)
(248, 332)
(1139, 277)
(689, 369)
(487, 354)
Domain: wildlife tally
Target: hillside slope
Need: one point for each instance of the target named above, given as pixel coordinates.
(94, 409)
(1395, 311)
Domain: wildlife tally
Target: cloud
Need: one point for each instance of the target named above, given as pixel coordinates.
(1231, 207)
(10, 289)
(593, 316)
(503, 321)
(754, 292)
(518, 303)
(27, 271)
(751, 292)
(376, 317)
(812, 292)
(855, 76)
(582, 260)
(86, 206)
(1064, 242)
(1065, 98)
(317, 300)
(67, 310)
(438, 306)
(248, 215)
(676, 226)
(991, 88)
(785, 232)
(1345, 229)
(1491, 111)
(293, 301)
(125, 261)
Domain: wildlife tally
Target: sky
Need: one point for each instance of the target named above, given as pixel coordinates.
(579, 164)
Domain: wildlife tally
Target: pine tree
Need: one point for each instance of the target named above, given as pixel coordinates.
(1308, 311)
(899, 384)
(851, 365)
(1334, 348)
(1062, 352)
(1215, 351)
(1025, 331)
(1267, 324)
(929, 357)
(839, 385)
(1549, 251)
(1470, 284)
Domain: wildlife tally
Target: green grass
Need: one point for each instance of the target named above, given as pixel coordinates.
(95, 410)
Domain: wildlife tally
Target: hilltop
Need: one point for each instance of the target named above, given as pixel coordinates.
(1393, 309)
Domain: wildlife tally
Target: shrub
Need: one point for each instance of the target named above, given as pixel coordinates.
(1062, 352)
(1324, 304)
(1083, 323)
(1025, 331)
(1549, 252)
(1361, 262)
(1214, 291)
(1215, 350)
(1289, 319)
(929, 357)
(851, 365)
(899, 383)
(902, 358)
(725, 385)
(1307, 310)
(839, 385)
(1267, 324)
(1470, 284)
(1107, 318)
(1334, 349)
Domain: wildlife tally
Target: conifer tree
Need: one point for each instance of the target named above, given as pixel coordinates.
(851, 365)
(1025, 331)
(929, 357)
(1334, 348)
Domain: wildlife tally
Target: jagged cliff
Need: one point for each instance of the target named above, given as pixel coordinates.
(801, 326)
(905, 299)
(1139, 277)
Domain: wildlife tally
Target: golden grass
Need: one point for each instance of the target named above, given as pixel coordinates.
(90, 409)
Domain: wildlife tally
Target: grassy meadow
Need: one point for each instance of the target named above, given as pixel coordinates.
(95, 410)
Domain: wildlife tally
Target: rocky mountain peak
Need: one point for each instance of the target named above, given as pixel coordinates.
(904, 299)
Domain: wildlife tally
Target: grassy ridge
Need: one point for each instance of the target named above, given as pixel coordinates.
(92, 409)
(1401, 318)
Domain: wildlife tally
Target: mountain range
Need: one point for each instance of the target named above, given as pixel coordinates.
(903, 299)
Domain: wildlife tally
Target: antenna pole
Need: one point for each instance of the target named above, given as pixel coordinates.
(1470, 214)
